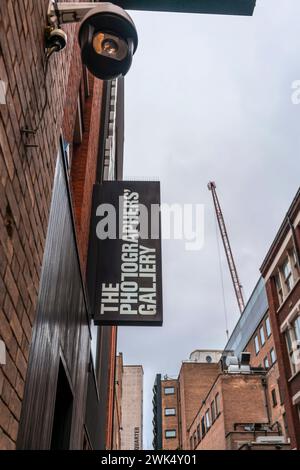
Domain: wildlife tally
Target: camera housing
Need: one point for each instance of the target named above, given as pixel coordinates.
(56, 39)
(108, 39)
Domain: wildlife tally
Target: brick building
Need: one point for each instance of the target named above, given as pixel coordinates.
(57, 384)
(260, 408)
(132, 408)
(176, 400)
(234, 413)
(116, 445)
(253, 333)
(280, 270)
(166, 413)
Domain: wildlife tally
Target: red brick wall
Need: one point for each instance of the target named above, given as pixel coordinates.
(195, 380)
(242, 400)
(170, 422)
(27, 177)
(284, 366)
(272, 377)
(111, 391)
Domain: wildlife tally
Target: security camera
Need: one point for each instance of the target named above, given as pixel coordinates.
(107, 35)
(108, 40)
(56, 39)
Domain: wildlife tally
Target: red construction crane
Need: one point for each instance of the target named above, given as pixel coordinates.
(231, 264)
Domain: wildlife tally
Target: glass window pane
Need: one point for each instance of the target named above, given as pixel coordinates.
(256, 344)
(266, 363)
(286, 269)
(288, 340)
(297, 328)
(170, 433)
(213, 412)
(207, 419)
(169, 390)
(268, 326)
(273, 356)
(217, 402)
(170, 412)
(198, 433)
(262, 335)
(203, 427)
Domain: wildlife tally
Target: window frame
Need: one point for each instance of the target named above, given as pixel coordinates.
(218, 404)
(274, 397)
(266, 359)
(272, 350)
(279, 288)
(256, 344)
(170, 437)
(288, 277)
(262, 335)
(207, 419)
(213, 411)
(203, 428)
(268, 327)
(169, 393)
(198, 433)
(170, 414)
(195, 439)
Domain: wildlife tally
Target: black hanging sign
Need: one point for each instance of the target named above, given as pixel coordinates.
(218, 7)
(125, 279)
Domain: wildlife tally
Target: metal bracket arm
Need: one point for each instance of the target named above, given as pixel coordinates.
(63, 13)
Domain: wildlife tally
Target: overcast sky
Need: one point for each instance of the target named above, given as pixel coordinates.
(209, 98)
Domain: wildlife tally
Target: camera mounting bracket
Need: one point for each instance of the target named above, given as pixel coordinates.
(74, 12)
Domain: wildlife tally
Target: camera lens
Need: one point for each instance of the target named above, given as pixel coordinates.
(110, 46)
(101, 44)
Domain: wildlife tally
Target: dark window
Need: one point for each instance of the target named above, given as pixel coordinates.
(287, 274)
(213, 411)
(281, 397)
(217, 401)
(62, 413)
(198, 433)
(285, 424)
(274, 397)
(203, 427)
(279, 288)
(195, 439)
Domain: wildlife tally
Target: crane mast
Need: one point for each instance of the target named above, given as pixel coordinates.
(231, 264)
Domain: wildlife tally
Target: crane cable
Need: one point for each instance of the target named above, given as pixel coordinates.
(222, 279)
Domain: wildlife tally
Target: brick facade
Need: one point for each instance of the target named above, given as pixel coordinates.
(27, 175)
(284, 309)
(242, 401)
(190, 388)
(118, 403)
(195, 379)
(274, 395)
(26, 182)
(170, 422)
